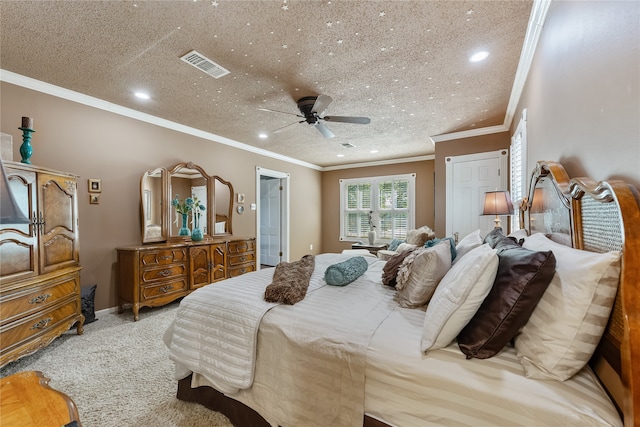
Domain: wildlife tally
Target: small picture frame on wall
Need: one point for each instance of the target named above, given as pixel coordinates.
(94, 199)
(95, 185)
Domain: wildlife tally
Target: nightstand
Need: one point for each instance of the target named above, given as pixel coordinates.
(371, 248)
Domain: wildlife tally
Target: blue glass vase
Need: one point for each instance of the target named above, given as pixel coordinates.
(184, 230)
(196, 233)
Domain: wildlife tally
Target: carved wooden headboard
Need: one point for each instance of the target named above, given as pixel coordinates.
(598, 217)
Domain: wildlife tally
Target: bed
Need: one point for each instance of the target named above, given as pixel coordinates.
(351, 355)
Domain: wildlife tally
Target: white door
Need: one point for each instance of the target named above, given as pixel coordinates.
(468, 177)
(272, 216)
(270, 204)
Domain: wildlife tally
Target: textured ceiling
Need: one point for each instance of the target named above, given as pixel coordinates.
(404, 64)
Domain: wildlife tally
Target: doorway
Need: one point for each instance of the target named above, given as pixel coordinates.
(468, 177)
(272, 227)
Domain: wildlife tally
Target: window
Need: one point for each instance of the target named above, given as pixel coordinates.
(383, 202)
(518, 168)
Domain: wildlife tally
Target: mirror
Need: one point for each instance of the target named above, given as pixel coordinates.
(188, 180)
(161, 221)
(223, 205)
(154, 219)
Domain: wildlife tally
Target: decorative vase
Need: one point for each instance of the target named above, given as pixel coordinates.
(184, 230)
(372, 237)
(196, 234)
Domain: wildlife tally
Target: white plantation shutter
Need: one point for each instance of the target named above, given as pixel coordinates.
(389, 199)
(518, 169)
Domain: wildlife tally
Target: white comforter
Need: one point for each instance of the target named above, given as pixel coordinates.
(321, 346)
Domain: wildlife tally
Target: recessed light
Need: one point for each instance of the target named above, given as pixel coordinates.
(480, 56)
(142, 95)
(263, 135)
(340, 155)
(373, 151)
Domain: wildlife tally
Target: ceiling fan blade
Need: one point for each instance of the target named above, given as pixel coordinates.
(347, 119)
(276, 111)
(321, 104)
(324, 130)
(286, 127)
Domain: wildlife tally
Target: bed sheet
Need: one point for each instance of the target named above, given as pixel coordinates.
(406, 388)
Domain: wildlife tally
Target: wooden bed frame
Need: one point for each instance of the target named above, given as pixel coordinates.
(589, 215)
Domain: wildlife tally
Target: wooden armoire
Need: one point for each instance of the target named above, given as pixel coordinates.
(39, 262)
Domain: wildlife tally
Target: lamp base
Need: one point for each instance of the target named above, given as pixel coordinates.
(497, 222)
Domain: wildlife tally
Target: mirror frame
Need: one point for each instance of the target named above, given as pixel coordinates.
(174, 171)
(231, 203)
(167, 209)
(163, 211)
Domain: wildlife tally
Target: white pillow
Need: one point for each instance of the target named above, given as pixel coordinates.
(520, 234)
(469, 242)
(219, 227)
(458, 297)
(566, 325)
(426, 270)
(405, 247)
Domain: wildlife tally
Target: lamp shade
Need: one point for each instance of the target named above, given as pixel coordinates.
(10, 213)
(497, 203)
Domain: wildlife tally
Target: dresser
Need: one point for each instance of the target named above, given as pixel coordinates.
(154, 275)
(39, 262)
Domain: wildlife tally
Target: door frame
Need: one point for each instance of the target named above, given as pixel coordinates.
(502, 155)
(284, 209)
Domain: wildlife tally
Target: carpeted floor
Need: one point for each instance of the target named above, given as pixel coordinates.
(119, 373)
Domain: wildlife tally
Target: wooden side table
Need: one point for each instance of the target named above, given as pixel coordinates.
(26, 400)
(371, 248)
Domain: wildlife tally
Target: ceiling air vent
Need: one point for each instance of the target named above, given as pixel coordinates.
(204, 64)
(348, 145)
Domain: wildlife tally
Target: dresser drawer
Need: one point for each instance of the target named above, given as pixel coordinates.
(166, 288)
(241, 246)
(238, 271)
(162, 273)
(13, 334)
(235, 260)
(162, 257)
(24, 302)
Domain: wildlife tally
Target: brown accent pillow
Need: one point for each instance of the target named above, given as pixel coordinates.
(390, 269)
(523, 276)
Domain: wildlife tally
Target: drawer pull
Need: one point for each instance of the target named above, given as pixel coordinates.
(42, 323)
(242, 259)
(165, 257)
(164, 273)
(166, 289)
(39, 299)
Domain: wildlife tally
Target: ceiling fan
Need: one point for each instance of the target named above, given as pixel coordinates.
(312, 108)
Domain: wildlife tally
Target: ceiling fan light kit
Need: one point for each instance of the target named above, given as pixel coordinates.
(312, 108)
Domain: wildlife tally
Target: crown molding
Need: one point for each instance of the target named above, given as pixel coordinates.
(70, 95)
(380, 163)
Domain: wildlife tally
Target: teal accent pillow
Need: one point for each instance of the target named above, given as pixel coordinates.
(452, 243)
(345, 272)
(393, 245)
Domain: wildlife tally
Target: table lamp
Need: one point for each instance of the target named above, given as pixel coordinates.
(497, 203)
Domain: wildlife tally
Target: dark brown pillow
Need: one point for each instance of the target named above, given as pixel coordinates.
(390, 269)
(523, 276)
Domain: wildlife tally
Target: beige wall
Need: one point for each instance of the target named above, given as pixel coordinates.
(331, 197)
(93, 143)
(582, 95)
(583, 90)
(459, 147)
